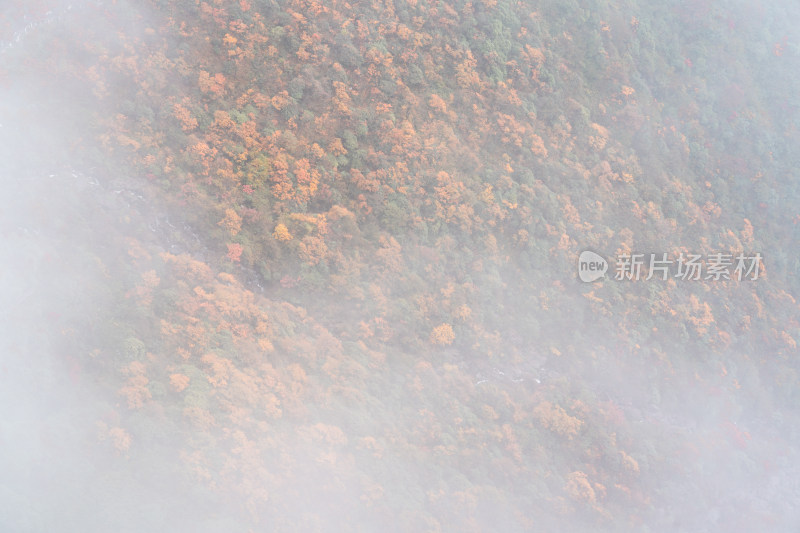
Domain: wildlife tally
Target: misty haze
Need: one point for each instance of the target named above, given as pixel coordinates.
(399, 266)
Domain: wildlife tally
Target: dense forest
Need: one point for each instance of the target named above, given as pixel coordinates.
(303, 265)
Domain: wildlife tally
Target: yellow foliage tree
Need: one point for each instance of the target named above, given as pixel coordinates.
(556, 419)
(231, 222)
(443, 335)
(179, 382)
(281, 233)
(579, 488)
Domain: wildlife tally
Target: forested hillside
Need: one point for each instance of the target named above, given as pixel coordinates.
(313, 265)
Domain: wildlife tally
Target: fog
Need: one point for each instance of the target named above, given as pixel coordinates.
(74, 458)
(58, 470)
